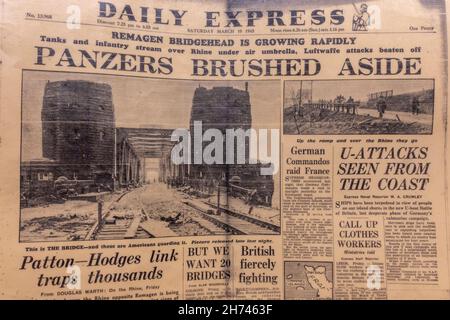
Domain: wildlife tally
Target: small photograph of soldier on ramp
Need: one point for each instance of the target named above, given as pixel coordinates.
(358, 107)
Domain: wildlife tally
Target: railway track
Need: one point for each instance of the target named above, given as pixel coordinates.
(234, 222)
(121, 230)
(136, 224)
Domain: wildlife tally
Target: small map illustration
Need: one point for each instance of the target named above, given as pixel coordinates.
(308, 280)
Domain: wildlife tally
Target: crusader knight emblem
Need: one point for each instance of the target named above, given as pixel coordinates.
(361, 18)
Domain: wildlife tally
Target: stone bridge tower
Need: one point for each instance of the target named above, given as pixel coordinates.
(221, 108)
(78, 129)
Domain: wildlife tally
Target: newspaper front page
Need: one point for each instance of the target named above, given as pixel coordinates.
(224, 150)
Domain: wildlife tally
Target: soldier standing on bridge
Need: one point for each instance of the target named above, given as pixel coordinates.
(340, 99)
(381, 106)
(415, 104)
(350, 105)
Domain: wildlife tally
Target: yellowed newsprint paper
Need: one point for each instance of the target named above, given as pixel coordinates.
(224, 149)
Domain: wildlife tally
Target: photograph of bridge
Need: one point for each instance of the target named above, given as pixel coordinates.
(96, 158)
(359, 107)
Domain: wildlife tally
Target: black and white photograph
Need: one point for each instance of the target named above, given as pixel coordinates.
(97, 158)
(346, 107)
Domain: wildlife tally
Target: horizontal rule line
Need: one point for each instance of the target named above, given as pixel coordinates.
(240, 34)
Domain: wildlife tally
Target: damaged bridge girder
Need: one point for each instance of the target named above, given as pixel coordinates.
(134, 145)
